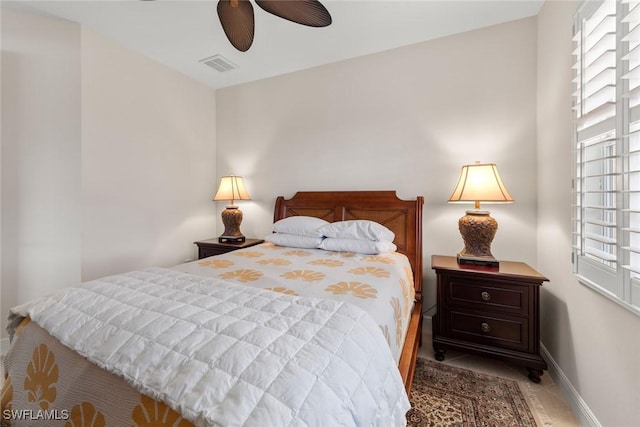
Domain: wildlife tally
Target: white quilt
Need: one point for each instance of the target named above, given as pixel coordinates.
(224, 354)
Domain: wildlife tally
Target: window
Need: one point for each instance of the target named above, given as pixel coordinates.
(606, 210)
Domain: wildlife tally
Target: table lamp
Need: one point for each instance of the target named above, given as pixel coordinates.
(479, 182)
(231, 188)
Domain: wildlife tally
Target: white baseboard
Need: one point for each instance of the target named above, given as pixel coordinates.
(4, 346)
(575, 401)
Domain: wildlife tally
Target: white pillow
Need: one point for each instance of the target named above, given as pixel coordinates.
(293, 240)
(300, 225)
(358, 229)
(359, 246)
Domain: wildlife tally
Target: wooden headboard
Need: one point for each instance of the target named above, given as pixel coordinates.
(403, 217)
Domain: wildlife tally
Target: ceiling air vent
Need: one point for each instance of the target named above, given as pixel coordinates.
(219, 63)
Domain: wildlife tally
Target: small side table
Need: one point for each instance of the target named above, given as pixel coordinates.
(211, 247)
(493, 311)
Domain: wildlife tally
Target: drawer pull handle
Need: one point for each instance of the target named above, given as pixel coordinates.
(486, 296)
(485, 327)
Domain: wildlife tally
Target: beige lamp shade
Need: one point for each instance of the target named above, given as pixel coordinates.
(231, 188)
(477, 183)
(480, 182)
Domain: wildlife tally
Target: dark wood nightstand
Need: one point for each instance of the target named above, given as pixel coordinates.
(211, 247)
(493, 311)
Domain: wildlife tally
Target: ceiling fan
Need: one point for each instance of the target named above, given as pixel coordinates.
(236, 17)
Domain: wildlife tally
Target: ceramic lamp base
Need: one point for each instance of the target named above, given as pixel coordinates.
(231, 218)
(478, 229)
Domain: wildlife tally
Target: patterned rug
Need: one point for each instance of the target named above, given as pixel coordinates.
(443, 395)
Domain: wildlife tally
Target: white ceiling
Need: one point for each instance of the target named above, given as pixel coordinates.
(179, 33)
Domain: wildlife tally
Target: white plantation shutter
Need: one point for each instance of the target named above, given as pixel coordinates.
(595, 215)
(630, 65)
(606, 209)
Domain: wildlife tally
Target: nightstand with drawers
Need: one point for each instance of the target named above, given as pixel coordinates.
(492, 311)
(211, 247)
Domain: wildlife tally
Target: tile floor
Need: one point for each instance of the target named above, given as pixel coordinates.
(545, 400)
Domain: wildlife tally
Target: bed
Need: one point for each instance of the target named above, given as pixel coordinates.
(403, 217)
(151, 370)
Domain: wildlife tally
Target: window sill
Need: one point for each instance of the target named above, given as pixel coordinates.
(588, 283)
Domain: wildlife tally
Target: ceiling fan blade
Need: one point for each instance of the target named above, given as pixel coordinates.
(236, 17)
(305, 12)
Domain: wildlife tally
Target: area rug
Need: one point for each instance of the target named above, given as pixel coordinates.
(444, 395)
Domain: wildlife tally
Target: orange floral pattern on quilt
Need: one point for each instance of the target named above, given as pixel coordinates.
(6, 399)
(42, 376)
(150, 413)
(374, 271)
(298, 253)
(327, 262)
(216, 263)
(244, 276)
(379, 258)
(85, 415)
(282, 290)
(248, 254)
(276, 261)
(22, 325)
(306, 275)
(397, 312)
(357, 289)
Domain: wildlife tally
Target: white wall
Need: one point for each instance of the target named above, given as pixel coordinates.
(148, 161)
(405, 120)
(108, 159)
(41, 203)
(594, 342)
